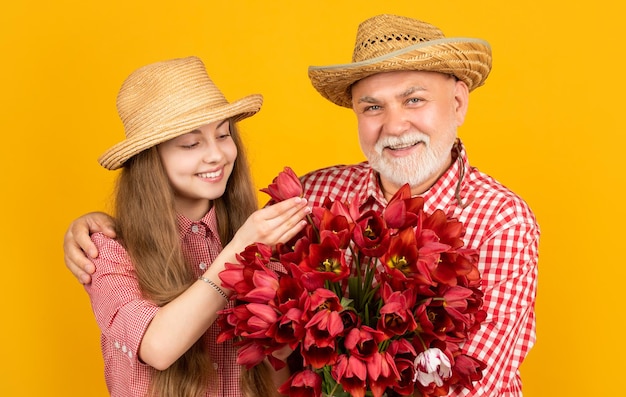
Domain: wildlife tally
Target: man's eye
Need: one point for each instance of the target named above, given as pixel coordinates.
(415, 100)
(373, 107)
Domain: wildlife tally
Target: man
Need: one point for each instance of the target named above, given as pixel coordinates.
(409, 88)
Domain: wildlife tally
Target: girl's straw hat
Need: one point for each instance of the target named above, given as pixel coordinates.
(388, 43)
(166, 99)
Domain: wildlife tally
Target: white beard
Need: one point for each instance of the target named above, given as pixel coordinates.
(415, 169)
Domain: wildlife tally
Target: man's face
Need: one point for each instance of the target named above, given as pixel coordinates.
(407, 125)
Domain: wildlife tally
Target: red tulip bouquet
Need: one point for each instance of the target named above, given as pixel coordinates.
(372, 303)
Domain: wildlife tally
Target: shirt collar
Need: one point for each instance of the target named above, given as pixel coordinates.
(371, 190)
(444, 190)
(207, 225)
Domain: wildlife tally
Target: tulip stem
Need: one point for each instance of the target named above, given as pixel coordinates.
(437, 298)
(421, 341)
(310, 220)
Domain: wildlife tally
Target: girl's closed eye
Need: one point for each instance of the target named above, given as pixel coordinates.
(222, 131)
(189, 145)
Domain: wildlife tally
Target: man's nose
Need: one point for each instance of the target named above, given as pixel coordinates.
(396, 121)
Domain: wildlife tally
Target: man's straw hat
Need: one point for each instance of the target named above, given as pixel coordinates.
(388, 43)
(166, 99)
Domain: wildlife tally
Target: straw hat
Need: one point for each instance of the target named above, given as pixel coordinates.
(166, 99)
(388, 43)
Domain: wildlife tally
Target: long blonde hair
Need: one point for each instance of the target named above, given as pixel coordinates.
(148, 229)
(257, 381)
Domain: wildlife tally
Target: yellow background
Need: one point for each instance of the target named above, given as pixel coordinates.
(548, 124)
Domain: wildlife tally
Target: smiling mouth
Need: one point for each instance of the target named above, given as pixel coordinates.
(210, 175)
(404, 146)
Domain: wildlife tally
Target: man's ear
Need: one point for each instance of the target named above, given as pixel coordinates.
(461, 101)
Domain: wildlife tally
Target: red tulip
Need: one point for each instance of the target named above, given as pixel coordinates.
(401, 260)
(468, 369)
(286, 185)
(250, 354)
(403, 355)
(351, 372)
(261, 318)
(381, 373)
(424, 321)
(396, 315)
(456, 303)
(318, 357)
(325, 260)
(322, 329)
(305, 383)
(403, 211)
(371, 234)
(338, 225)
(449, 231)
(405, 385)
(290, 328)
(318, 346)
(363, 342)
(251, 279)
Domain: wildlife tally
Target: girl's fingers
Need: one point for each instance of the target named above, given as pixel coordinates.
(291, 232)
(285, 209)
(277, 223)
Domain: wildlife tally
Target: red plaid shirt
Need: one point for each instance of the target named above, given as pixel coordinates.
(500, 225)
(123, 314)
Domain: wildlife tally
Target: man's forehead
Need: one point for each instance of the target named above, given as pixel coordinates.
(398, 83)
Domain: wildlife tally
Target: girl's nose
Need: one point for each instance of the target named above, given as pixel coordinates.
(213, 153)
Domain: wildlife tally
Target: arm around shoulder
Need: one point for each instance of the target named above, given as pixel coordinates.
(77, 245)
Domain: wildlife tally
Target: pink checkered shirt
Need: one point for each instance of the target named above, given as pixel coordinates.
(499, 224)
(123, 314)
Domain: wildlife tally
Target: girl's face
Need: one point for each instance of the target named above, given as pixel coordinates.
(198, 165)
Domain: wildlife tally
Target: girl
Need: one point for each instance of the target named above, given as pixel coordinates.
(185, 206)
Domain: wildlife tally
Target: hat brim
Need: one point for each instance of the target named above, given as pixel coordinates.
(466, 58)
(117, 155)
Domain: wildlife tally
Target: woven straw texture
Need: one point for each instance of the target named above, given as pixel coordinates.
(166, 99)
(386, 43)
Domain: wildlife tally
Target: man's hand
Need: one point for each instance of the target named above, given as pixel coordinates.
(78, 247)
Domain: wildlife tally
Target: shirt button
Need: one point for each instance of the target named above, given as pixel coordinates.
(124, 349)
(195, 228)
(215, 366)
(202, 266)
(130, 354)
(117, 345)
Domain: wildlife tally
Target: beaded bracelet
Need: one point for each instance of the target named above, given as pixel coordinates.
(215, 286)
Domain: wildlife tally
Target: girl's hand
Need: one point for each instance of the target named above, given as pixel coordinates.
(277, 223)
